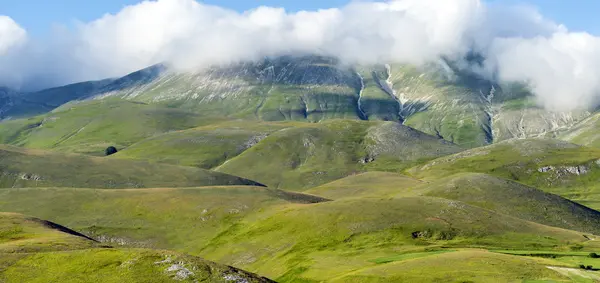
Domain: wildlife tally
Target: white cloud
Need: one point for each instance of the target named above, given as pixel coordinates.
(520, 44)
(11, 34)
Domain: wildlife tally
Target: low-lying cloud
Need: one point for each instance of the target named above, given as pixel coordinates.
(562, 68)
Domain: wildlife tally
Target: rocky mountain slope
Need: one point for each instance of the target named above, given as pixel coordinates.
(439, 99)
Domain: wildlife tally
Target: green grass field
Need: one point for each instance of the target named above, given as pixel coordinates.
(21, 168)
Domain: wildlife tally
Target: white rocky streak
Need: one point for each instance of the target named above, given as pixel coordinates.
(360, 93)
(389, 88)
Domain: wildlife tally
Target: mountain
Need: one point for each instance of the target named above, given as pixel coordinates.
(299, 168)
(439, 99)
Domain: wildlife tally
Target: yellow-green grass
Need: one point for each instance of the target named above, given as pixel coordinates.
(515, 199)
(19, 233)
(204, 147)
(180, 219)
(369, 184)
(310, 155)
(460, 266)
(35, 168)
(525, 161)
(89, 127)
(120, 265)
(328, 240)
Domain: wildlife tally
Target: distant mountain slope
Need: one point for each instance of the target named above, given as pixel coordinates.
(439, 99)
(33, 168)
(585, 133)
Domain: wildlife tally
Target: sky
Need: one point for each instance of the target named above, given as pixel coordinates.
(553, 46)
(40, 16)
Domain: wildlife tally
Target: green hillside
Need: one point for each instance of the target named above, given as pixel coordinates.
(369, 184)
(332, 239)
(21, 234)
(90, 127)
(205, 147)
(33, 250)
(182, 219)
(313, 154)
(555, 166)
(514, 199)
(21, 168)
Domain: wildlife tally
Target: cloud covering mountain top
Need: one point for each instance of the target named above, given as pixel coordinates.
(519, 44)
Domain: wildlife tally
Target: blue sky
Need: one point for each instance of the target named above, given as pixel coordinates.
(38, 16)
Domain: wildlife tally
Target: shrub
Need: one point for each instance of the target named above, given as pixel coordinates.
(111, 150)
(582, 266)
(594, 255)
(589, 267)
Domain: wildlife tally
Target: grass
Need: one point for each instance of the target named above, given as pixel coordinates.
(466, 266)
(307, 237)
(19, 234)
(313, 154)
(522, 160)
(512, 198)
(204, 147)
(34, 168)
(179, 219)
(119, 265)
(90, 127)
(369, 184)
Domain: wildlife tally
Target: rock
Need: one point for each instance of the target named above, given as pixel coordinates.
(546, 169)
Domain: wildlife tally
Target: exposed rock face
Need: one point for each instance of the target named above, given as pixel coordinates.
(563, 170)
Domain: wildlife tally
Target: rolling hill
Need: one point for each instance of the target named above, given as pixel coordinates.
(33, 250)
(21, 168)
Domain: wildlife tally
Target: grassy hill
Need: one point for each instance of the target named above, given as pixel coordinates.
(90, 127)
(34, 168)
(555, 166)
(182, 219)
(313, 154)
(514, 199)
(33, 250)
(467, 266)
(22, 234)
(327, 240)
(369, 184)
(205, 147)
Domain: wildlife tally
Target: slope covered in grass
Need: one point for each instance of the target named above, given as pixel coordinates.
(19, 233)
(555, 166)
(369, 184)
(585, 133)
(328, 240)
(313, 154)
(89, 127)
(181, 219)
(512, 198)
(204, 147)
(34, 250)
(466, 266)
(34, 168)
